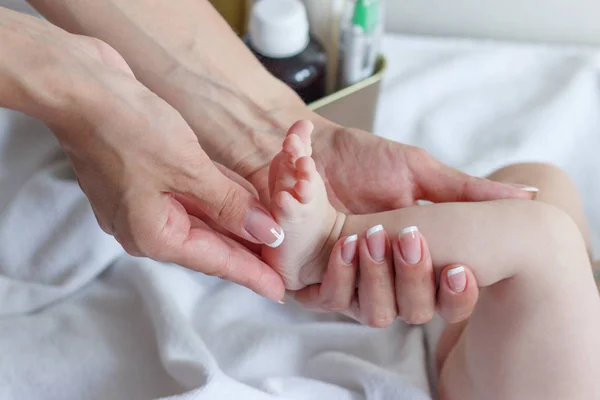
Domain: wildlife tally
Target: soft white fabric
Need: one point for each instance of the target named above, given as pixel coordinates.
(480, 105)
(79, 319)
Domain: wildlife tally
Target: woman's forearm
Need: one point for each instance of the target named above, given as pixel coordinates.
(32, 79)
(159, 37)
(187, 54)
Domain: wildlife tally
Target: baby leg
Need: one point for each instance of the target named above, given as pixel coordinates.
(534, 333)
(556, 188)
(474, 365)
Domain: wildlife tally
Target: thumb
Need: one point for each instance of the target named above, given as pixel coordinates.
(236, 178)
(439, 183)
(233, 208)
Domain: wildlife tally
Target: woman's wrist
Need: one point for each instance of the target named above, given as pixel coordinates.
(32, 76)
(59, 78)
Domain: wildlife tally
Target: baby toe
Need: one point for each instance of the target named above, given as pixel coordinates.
(304, 191)
(286, 205)
(306, 168)
(293, 146)
(304, 129)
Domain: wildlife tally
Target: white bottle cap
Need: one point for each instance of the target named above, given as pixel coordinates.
(279, 28)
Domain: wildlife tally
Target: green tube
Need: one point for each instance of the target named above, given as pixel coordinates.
(366, 15)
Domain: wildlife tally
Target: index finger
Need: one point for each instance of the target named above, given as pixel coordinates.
(415, 279)
(214, 254)
(376, 295)
(439, 183)
(338, 288)
(230, 206)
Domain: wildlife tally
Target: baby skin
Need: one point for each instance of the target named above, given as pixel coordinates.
(534, 333)
(300, 206)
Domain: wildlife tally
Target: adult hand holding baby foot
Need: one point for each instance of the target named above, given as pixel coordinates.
(396, 277)
(375, 280)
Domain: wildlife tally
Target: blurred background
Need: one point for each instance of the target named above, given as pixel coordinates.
(556, 21)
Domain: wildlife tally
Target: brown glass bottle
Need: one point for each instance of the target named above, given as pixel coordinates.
(304, 72)
(279, 37)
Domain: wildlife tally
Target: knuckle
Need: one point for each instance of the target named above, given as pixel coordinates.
(222, 267)
(380, 321)
(133, 252)
(130, 248)
(142, 235)
(456, 317)
(419, 153)
(261, 283)
(106, 227)
(100, 45)
(107, 54)
(157, 251)
(419, 277)
(336, 305)
(142, 245)
(231, 206)
(418, 318)
(137, 244)
(103, 225)
(194, 166)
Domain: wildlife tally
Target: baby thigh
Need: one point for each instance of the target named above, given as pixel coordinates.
(533, 335)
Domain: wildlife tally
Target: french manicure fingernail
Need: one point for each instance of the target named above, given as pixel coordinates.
(526, 188)
(263, 228)
(349, 248)
(282, 301)
(531, 189)
(457, 279)
(376, 243)
(410, 244)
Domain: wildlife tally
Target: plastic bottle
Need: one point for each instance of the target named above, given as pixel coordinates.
(361, 34)
(278, 34)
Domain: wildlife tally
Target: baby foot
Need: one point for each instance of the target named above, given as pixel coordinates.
(299, 204)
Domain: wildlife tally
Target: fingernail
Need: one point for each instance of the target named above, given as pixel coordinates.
(349, 248)
(263, 228)
(376, 243)
(410, 245)
(282, 301)
(526, 188)
(457, 279)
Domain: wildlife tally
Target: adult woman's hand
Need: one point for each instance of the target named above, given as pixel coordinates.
(149, 182)
(395, 280)
(367, 173)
